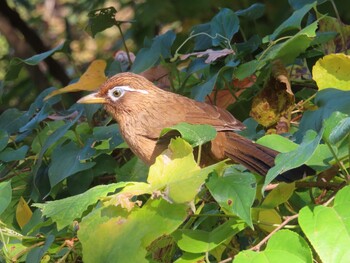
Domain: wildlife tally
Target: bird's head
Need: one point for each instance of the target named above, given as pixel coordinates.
(122, 92)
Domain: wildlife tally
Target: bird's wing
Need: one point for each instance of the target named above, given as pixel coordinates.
(221, 119)
(192, 112)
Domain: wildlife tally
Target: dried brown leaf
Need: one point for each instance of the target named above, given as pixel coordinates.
(272, 106)
(212, 54)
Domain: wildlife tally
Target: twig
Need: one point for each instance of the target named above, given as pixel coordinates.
(262, 242)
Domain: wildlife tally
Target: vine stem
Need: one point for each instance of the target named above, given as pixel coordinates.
(176, 55)
(342, 35)
(341, 165)
(124, 43)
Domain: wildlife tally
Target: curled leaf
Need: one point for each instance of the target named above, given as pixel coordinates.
(93, 77)
(272, 106)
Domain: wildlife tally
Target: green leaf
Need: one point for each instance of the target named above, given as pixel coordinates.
(101, 19)
(340, 131)
(202, 41)
(148, 57)
(326, 226)
(111, 133)
(320, 158)
(235, 192)
(73, 158)
(190, 258)
(226, 24)
(127, 235)
(5, 195)
(277, 143)
(253, 12)
(284, 244)
(278, 195)
(12, 120)
(200, 92)
(293, 22)
(327, 101)
(177, 174)
(194, 134)
(332, 122)
(4, 138)
(293, 47)
(199, 241)
(64, 211)
(9, 154)
(266, 218)
(17, 63)
(289, 160)
(245, 70)
(53, 138)
(36, 254)
(297, 4)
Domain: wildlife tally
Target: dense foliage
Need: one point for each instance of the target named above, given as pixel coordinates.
(71, 190)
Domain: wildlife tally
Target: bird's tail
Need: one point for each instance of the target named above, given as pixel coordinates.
(258, 158)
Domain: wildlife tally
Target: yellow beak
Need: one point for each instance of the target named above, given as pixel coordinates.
(92, 99)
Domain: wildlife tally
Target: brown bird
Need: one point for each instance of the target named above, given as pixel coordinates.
(143, 110)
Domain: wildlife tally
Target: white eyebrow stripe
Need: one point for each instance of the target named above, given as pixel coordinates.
(128, 88)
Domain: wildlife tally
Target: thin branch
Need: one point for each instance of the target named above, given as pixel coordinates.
(285, 222)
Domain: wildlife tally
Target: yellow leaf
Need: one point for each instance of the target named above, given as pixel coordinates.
(93, 77)
(332, 71)
(23, 213)
(267, 219)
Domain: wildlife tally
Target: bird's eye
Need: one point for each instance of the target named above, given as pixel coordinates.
(117, 93)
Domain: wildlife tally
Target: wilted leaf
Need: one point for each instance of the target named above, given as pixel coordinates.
(101, 19)
(332, 71)
(213, 55)
(93, 77)
(23, 212)
(272, 106)
(339, 43)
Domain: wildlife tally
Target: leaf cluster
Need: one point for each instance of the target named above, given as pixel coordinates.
(70, 190)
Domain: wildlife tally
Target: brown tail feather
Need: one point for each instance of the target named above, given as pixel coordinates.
(258, 158)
